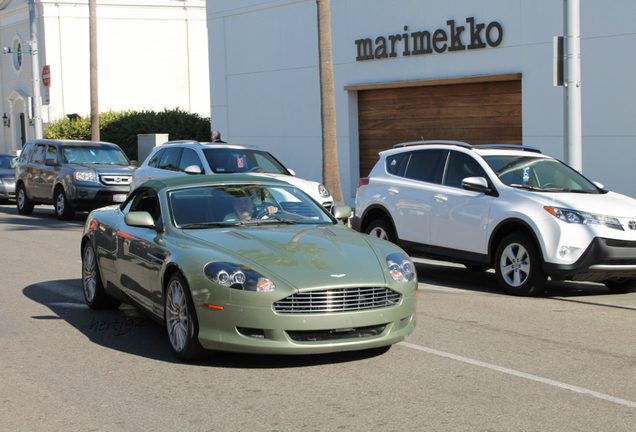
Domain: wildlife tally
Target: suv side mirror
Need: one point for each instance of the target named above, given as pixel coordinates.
(192, 169)
(476, 184)
(50, 162)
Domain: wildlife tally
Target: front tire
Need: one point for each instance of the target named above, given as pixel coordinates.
(518, 266)
(382, 229)
(181, 320)
(22, 201)
(63, 209)
(621, 286)
(92, 286)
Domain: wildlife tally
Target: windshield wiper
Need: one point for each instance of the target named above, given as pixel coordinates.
(271, 220)
(205, 225)
(557, 189)
(526, 187)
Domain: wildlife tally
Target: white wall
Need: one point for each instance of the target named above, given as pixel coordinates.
(152, 55)
(264, 89)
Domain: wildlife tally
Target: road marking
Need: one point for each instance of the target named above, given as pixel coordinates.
(582, 391)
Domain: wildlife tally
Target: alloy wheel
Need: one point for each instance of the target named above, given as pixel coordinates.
(177, 315)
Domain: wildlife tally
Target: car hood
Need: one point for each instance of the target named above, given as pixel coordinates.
(609, 204)
(119, 169)
(307, 186)
(303, 255)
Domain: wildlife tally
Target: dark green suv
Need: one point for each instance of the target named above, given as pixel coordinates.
(71, 175)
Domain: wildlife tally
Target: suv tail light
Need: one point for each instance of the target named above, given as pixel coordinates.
(363, 182)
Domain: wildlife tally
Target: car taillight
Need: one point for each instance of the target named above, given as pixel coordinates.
(363, 182)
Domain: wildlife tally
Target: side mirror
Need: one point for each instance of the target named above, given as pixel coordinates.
(292, 172)
(476, 184)
(192, 170)
(599, 185)
(342, 211)
(139, 219)
(50, 162)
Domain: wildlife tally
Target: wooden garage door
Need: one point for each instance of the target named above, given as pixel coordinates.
(476, 113)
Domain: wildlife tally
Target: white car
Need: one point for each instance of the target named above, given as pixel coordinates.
(510, 207)
(176, 158)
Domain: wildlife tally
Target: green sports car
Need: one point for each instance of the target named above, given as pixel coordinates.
(247, 264)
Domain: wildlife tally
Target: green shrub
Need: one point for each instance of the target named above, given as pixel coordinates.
(122, 127)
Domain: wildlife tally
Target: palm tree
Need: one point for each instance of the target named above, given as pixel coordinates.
(330, 169)
(92, 23)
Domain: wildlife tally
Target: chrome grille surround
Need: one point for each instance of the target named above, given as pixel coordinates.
(338, 300)
(115, 179)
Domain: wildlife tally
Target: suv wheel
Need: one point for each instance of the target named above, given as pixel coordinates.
(63, 209)
(24, 204)
(518, 266)
(621, 285)
(381, 228)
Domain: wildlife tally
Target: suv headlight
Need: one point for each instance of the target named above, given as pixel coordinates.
(323, 191)
(583, 218)
(238, 277)
(85, 176)
(401, 267)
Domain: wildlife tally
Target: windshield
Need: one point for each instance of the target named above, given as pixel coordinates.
(94, 155)
(225, 160)
(243, 205)
(8, 161)
(539, 174)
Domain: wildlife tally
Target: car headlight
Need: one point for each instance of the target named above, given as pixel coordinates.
(237, 276)
(583, 218)
(86, 176)
(323, 191)
(401, 267)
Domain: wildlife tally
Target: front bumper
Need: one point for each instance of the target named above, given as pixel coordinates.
(88, 198)
(603, 259)
(260, 330)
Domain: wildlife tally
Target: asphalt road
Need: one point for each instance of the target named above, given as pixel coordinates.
(479, 360)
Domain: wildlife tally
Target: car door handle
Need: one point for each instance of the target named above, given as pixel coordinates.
(441, 198)
(393, 191)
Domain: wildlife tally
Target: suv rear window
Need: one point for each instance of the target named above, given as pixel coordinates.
(238, 160)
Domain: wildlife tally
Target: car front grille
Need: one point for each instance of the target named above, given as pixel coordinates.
(331, 335)
(115, 179)
(338, 300)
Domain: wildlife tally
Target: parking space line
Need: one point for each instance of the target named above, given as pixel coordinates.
(582, 391)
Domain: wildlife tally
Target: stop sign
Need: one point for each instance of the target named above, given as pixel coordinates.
(46, 76)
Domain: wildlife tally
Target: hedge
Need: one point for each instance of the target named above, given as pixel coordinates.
(122, 127)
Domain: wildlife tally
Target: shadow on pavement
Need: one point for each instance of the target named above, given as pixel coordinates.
(445, 274)
(127, 330)
(42, 218)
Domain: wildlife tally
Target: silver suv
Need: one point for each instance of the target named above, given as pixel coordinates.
(71, 175)
(510, 207)
(176, 158)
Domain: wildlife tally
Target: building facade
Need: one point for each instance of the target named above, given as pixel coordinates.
(152, 54)
(406, 70)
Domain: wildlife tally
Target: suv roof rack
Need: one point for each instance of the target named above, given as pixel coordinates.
(414, 143)
(182, 142)
(471, 146)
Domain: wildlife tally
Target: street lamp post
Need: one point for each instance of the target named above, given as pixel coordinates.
(35, 67)
(572, 84)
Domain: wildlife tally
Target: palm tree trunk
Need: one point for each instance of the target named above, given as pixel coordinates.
(330, 169)
(92, 24)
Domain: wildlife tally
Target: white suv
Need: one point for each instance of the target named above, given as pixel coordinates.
(176, 158)
(510, 207)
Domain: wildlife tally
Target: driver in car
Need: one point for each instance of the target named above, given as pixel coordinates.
(244, 208)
